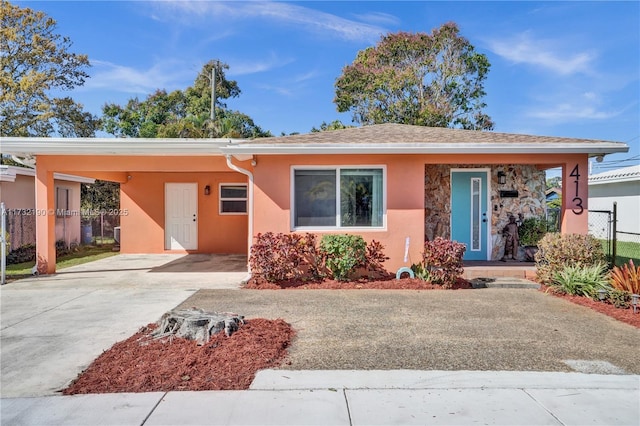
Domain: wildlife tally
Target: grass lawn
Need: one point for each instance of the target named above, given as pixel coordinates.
(84, 254)
(627, 250)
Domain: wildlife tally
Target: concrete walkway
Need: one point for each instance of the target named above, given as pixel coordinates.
(53, 327)
(358, 398)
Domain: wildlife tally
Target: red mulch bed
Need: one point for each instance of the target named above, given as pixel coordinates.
(385, 283)
(142, 364)
(623, 315)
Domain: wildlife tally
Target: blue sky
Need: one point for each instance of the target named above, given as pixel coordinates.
(557, 68)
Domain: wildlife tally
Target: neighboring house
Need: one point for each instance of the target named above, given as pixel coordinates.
(18, 193)
(387, 182)
(553, 194)
(621, 186)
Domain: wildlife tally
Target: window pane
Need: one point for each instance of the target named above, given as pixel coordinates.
(475, 214)
(234, 206)
(315, 198)
(361, 197)
(239, 191)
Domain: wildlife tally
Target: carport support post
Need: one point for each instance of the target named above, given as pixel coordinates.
(3, 244)
(45, 220)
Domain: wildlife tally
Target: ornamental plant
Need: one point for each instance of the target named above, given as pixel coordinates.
(442, 259)
(579, 280)
(279, 257)
(556, 251)
(343, 254)
(626, 278)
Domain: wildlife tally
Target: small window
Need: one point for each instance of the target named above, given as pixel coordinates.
(62, 201)
(233, 199)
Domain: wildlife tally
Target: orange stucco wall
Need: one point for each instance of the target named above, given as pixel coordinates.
(142, 201)
(404, 191)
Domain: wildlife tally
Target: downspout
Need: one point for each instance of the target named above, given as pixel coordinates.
(249, 210)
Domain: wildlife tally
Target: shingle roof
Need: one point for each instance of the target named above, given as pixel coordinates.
(406, 139)
(403, 133)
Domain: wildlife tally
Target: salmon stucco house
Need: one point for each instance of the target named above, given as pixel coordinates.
(397, 184)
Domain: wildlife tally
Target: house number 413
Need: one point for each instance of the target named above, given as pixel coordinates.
(577, 201)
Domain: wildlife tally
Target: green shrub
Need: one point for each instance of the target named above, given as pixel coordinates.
(581, 280)
(619, 298)
(420, 272)
(531, 231)
(26, 253)
(556, 251)
(343, 254)
(442, 259)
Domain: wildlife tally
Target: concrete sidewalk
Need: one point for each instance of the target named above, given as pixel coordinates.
(279, 397)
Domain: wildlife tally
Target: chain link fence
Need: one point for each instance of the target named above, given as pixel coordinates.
(21, 228)
(619, 245)
(100, 227)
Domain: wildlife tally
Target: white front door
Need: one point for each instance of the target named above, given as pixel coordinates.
(181, 216)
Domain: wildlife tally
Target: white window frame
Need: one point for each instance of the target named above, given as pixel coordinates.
(337, 169)
(223, 199)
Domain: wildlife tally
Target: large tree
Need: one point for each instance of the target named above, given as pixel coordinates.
(184, 114)
(424, 79)
(36, 62)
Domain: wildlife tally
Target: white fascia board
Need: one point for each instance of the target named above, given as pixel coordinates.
(73, 178)
(429, 148)
(111, 146)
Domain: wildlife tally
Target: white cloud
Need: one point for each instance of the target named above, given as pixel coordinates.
(583, 107)
(190, 12)
(167, 74)
(378, 18)
(256, 65)
(566, 112)
(524, 49)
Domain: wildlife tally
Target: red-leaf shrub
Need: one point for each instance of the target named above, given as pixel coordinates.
(279, 257)
(443, 259)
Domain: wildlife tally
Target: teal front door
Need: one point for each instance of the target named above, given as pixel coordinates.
(469, 214)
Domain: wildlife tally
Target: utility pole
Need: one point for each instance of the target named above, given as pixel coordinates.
(213, 93)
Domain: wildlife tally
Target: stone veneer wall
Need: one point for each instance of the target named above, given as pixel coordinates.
(526, 179)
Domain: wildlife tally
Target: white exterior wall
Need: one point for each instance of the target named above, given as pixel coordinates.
(627, 196)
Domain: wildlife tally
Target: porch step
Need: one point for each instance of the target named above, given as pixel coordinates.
(503, 282)
(520, 270)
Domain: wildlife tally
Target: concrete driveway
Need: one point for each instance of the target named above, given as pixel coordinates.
(53, 327)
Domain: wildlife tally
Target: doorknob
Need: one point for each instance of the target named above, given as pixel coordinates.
(484, 217)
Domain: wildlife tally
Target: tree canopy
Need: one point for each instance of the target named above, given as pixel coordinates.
(423, 79)
(334, 125)
(36, 61)
(184, 114)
